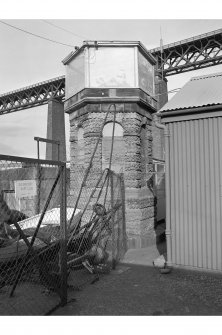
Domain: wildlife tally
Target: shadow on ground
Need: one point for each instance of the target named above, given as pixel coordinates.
(140, 289)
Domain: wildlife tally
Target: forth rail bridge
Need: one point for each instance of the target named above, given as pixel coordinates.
(195, 53)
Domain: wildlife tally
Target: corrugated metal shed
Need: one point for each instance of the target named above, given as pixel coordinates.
(198, 92)
(193, 138)
(195, 193)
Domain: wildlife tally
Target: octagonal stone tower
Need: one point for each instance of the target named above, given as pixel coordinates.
(99, 74)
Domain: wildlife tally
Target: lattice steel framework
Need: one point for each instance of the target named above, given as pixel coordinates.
(191, 54)
(187, 55)
(32, 96)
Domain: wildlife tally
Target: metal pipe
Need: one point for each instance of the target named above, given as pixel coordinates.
(167, 186)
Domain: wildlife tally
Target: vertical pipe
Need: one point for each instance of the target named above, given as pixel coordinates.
(167, 186)
(63, 239)
(167, 181)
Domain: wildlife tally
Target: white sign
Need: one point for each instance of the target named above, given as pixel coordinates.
(25, 188)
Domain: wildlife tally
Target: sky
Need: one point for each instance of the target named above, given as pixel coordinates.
(26, 60)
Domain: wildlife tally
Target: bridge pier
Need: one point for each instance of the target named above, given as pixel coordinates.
(56, 130)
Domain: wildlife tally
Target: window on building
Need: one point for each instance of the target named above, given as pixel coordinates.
(118, 155)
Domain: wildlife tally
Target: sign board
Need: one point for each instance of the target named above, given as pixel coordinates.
(25, 188)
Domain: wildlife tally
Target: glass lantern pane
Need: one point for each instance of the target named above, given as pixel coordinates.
(75, 75)
(146, 74)
(111, 67)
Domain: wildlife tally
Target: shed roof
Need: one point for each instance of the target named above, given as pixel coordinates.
(198, 92)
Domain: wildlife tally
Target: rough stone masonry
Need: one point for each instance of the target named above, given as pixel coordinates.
(137, 141)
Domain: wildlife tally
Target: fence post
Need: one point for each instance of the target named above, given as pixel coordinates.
(122, 187)
(38, 189)
(63, 238)
(112, 219)
(38, 180)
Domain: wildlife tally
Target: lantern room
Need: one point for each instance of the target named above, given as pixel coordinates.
(112, 66)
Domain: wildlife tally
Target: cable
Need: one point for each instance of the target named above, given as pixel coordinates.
(68, 31)
(44, 38)
(174, 90)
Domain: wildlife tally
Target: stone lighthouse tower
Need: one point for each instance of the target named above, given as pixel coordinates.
(122, 73)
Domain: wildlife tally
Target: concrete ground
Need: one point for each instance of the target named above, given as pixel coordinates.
(135, 287)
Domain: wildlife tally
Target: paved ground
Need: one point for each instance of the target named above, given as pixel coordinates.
(137, 288)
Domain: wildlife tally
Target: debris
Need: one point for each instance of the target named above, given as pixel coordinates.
(160, 262)
(17, 249)
(88, 266)
(102, 268)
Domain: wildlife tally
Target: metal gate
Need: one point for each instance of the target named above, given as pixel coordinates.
(33, 275)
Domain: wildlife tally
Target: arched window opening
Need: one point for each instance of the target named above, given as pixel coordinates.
(118, 155)
(108, 130)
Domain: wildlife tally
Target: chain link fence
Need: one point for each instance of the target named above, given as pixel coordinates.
(48, 250)
(98, 240)
(32, 235)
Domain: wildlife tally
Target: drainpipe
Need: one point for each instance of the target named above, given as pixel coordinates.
(167, 186)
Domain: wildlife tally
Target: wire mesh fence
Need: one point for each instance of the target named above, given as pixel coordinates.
(32, 236)
(48, 249)
(98, 241)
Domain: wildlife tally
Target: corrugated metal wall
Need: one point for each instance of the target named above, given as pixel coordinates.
(196, 193)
